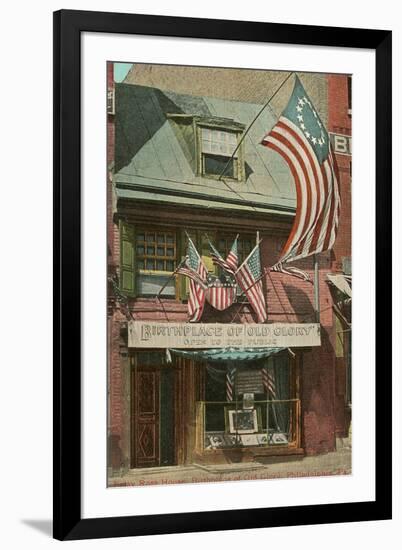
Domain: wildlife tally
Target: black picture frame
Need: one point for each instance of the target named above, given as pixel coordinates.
(68, 28)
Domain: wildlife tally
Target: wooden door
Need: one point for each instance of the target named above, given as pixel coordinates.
(147, 418)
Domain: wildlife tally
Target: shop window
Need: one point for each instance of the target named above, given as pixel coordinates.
(252, 412)
(219, 155)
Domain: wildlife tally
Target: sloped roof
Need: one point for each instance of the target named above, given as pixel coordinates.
(153, 161)
(238, 84)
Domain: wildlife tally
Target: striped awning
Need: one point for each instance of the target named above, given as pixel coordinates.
(228, 354)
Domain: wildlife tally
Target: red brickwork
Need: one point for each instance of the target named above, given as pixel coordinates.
(112, 260)
(340, 122)
(115, 390)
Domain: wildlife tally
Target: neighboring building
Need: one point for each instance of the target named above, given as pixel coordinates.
(165, 406)
(340, 128)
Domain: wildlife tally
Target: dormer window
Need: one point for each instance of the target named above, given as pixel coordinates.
(212, 144)
(218, 153)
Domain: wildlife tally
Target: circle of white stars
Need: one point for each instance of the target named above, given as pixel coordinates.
(301, 104)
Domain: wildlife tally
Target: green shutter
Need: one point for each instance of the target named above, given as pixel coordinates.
(183, 287)
(205, 250)
(127, 252)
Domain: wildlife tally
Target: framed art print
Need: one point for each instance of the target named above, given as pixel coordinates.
(215, 182)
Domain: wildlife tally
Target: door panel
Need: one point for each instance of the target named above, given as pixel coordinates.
(167, 427)
(147, 418)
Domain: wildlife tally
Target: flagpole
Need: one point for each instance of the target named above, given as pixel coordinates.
(252, 122)
(316, 289)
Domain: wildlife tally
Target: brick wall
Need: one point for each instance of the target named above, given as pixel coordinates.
(340, 122)
(112, 259)
(288, 299)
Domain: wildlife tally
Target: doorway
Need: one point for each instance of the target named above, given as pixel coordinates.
(153, 416)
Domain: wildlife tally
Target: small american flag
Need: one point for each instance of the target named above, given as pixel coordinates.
(186, 270)
(196, 300)
(291, 270)
(232, 261)
(268, 380)
(249, 279)
(300, 138)
(230, 381)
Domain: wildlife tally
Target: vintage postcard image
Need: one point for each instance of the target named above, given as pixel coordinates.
(229, 274)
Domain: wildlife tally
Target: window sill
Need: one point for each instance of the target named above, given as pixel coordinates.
(155, 273)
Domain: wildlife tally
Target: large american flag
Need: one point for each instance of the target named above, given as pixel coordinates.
(300, 138)
(232, 261)
(196, 299)
(249, 279)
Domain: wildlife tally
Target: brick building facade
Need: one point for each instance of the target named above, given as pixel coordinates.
(152, 200)
(340, 128)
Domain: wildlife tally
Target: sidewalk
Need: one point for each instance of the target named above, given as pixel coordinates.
(336, 463)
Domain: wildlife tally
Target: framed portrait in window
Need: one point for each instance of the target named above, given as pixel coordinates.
(203, 255)
(243, 421)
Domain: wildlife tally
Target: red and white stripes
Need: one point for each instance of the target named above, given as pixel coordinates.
(249, 279)
(196, 299)
(232, 260)
(221, 296)
(268, 380)
(317, 191)
(230, 382)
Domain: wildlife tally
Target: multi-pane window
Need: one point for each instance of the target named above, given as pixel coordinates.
(273, 384)
(244, 246)
(156, 250)
(155, 259)
(218, 153)
(149, 256)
